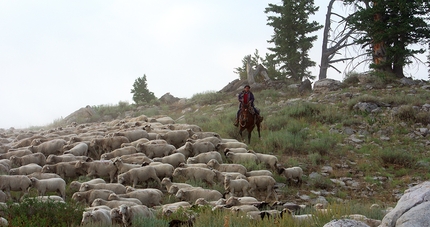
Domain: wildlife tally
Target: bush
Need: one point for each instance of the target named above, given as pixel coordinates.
(397, 157)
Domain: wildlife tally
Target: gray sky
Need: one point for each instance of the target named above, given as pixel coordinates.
(58, 56)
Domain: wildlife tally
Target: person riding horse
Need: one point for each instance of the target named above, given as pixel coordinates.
(246, 97)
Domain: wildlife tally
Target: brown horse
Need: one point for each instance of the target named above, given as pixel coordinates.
(248, 120)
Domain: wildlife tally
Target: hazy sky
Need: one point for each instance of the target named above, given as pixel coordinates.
(58, 56)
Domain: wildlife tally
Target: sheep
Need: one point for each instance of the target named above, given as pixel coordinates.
(202, 135)
(236, 185)
(50, 198)
(75, 185)
(205, 157)
(176, 138)
(47, 148)
(291, 173)
(3, 222)
(243, 208)
(14, 183)
(49, 185)
(237, 201)
(115, 187)
(192, 194)
(64, 169)
(115, 217)
(269, 160)
(124, 167)
(129, 213)
(118, 152)
(96, 217)
(161, 169)
(170, 208)
(112, 203)
(236, 150)
(241, 157)
(222, 146)
(227, 167)
(26, 169)
(262, 172)
(134, 143)
(137, 158)
(3, 197)
(98, 168)
(173, 159)
(18, 153)
(220, 176)
(139, 175)
(41, 176)
(262, 182)
(53, 159)
(80, 149)
(196, 173)
(89, 196)
(155, 150)
(133, 135)
(104, 145)
(168, 183)
(148, 196)
(114, 196)
(213, 139)
(36, 158)
(201, 165)
(203, 202)
(202, 147)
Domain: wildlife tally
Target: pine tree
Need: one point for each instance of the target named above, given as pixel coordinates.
(291, 37)
(140, 92)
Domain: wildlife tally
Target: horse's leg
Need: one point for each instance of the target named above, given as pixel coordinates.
(249, 135)
(258, 129)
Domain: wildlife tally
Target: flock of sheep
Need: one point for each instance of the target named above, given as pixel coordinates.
(134, 164)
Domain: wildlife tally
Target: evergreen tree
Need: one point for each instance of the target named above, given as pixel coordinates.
(140, 92)
(291, 37)
(390, 28)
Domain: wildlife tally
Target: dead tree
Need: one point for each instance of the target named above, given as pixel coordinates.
(339, 42)
(259, 70)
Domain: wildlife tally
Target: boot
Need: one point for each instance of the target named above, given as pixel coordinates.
(236, 123)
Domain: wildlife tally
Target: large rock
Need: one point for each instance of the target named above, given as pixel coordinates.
(345, 223)
(413, 208)
(325, 85)
(81, 115)
(168, 98)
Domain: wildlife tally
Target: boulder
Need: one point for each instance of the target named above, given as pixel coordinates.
(345, 223)
(412, 209)
(325, 85)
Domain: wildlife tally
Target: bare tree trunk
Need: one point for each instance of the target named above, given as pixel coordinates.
(252, 73)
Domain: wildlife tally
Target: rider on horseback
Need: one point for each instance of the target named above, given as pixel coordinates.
(246, 97)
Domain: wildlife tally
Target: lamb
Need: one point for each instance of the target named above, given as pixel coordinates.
(124, 167)
(14, 183)
(162, 169)
(53, 159)
(37, 158)
(168, 183)
(115, 187)
(119, 152)
(220, 176)
(149, 196)
(236, 150)
(26, 169)
(236, 185)
(80, 149)
(114, 196)
(98, 168)
(291, 173)
(76, 185)
(129, 213)
(155, 150)
(192, 194)
(47, 148)
(112, 204)
(241, 157)
(262, 182)
(213, 163)
(139, 175)
(270, 160)
(222, 146)
(49, 185)
(196, 173)
(173, 159)
(177, 137)
(89, 196)
(205, 157)
(99, 217)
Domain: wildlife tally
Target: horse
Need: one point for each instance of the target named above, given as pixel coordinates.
(248, 120)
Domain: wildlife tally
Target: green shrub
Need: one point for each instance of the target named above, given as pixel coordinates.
(323, 145)
(398, 157)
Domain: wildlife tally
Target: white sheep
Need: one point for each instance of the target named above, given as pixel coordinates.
(96, 217)
(76, 185)
(261, 172)
(168, 184)
(235, 144)
(112, 203)
(192, 194)
(155, 150)
(239, 168)
(102, 168)
(129, 213)
(3, 222)
(292, 173)
(79, 149)
(162, 169)
(205, 157)
(118, 152)
(174, 159)
(235, 186)
(137, 158)
(115, 187)
(148, 196)
(268, 159)
(236, 150)
(196, 173)
(26, 169)
(139, 175)
(49, 185)
(241, 157)
(36, 158)
(266, 183)
(14, 183)
(114, 196)
(89, 196)
(124, 167)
